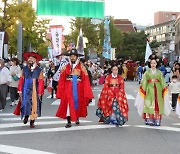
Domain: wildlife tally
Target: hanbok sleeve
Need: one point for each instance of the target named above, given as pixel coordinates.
(178, 105)
(139, 101)
(21, 82)
(167, 106)
(41, 84)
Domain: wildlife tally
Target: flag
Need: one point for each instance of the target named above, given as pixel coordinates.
(1, 44)
(148, 51)
(80, 43)
(57, 39)
(107, 41)
(76, 8)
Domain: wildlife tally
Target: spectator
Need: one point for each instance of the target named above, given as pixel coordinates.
(5, 79)
(15, 72)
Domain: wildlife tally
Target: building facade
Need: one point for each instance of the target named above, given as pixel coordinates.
(163, 16)
(177, 38)
(164, 34)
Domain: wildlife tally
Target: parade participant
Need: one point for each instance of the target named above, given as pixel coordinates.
(31, 88)
(178, 105)
(152, 98)
(5, 79)
(74, 90)
(112, 104)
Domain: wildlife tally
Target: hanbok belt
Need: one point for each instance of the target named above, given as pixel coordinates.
(153, 80)
(69, 77)
(114, 85)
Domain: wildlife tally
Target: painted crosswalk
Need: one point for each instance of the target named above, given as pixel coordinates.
(13, 125)
(92, 103)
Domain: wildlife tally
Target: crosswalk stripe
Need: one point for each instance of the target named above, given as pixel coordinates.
(11, 125)
(6, 114)
(160, 128)
(58, 129)
(56, 102)
(18, 118)
(18, 150)
(176, 124)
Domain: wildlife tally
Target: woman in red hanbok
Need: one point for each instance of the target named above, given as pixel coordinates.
(112, 104)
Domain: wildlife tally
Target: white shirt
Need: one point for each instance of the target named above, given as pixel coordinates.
(174, 87)
(15, 70)
(5, 76)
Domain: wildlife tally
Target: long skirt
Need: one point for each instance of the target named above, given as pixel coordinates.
(115, 118)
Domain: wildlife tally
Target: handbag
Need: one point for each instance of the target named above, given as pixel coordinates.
(15, 78)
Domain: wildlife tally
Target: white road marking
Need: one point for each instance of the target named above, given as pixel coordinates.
(159, 127)
(92, 103)
(11, 125)
(59, 129)
(18, 150)
(19, 118)
(129, 96)
(56, 102)
(96, 90)
(54, 96)
(6, 114)
(176, 124)
(7, 98)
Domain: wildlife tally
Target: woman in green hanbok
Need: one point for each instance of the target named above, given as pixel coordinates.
(152, 99)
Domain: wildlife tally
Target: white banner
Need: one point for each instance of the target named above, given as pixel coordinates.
(56, 34)
(1, 44)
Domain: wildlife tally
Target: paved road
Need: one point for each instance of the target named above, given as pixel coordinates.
(49, 136)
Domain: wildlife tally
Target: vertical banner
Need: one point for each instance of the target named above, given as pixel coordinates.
(1, 44)
(80, 43)
(57, 37)
(6, 51)
(148, 51)
(107, 42)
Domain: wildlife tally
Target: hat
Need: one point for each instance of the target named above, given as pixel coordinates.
(26, 55)
(74, 52)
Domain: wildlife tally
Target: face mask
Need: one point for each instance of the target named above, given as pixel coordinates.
(24, 64)
(174, 80)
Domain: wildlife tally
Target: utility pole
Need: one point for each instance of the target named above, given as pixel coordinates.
(19, 38)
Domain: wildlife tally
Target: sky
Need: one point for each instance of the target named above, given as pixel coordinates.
(140, 12)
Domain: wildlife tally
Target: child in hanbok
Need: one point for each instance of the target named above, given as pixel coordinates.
(152, 98)
(112, 104)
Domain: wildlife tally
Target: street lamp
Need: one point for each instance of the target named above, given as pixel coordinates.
(19, 39)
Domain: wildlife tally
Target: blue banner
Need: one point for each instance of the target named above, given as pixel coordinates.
(107, 41)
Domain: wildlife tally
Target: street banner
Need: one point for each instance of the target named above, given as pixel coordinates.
(76, 8)
(56, 37)
(80, 43)
(148, 51)
(107, 41)
(1, 44)
(62, 63)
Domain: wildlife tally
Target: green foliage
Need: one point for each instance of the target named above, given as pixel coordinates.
(34, 29)
(134, 46)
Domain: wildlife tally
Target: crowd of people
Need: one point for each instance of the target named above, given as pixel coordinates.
(71, 78)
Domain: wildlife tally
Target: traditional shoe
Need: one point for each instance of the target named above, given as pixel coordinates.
(77, 122)
(101, 120)
(68, 125)
(25, 120)
(32, 124)
(12, 104)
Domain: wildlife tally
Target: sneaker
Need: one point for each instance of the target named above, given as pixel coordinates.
(16, 102)
(12, 104)
(32, 124)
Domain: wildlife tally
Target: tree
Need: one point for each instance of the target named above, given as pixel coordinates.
(34, 30)
(89, 30)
